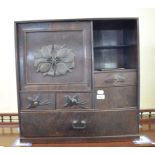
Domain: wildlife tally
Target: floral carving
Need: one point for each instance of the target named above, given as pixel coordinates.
(54, 60)
(37, 101)
(74, 101)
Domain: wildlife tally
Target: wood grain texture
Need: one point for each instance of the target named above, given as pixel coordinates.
(105, 56)
(46, 100)
(60, 124)
(75, 36)
(115, 78)
(116, 97)
(85, 99)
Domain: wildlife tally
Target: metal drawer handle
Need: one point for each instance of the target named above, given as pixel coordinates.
(79, 125)
(116, 78)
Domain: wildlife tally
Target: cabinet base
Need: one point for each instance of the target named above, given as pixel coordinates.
(47, 140)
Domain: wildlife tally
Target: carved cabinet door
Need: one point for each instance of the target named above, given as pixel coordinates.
(54, 56)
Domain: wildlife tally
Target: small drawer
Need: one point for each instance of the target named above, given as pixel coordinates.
(78, 124)
(37, 101)
(115, 97)
(108, 79)
(73, 101)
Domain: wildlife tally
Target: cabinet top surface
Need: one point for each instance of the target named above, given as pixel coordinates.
(77, 19)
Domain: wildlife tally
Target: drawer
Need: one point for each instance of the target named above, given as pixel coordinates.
(37, 101)
(108, 79)
(74, 101)
(78, 124)
(116, 97)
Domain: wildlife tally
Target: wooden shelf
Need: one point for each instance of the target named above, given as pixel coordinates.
(112, 46)
(115, 70)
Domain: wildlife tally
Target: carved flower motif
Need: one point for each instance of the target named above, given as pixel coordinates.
(54, 60)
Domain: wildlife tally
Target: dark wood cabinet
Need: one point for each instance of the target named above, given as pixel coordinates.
(77, 79)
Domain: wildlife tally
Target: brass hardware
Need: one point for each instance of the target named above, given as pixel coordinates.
(79, 125)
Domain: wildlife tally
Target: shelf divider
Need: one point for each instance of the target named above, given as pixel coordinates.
(112, 46)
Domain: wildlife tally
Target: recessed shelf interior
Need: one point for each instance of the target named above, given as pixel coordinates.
(115, 44)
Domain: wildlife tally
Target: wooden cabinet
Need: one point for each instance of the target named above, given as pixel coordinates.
(77, 79)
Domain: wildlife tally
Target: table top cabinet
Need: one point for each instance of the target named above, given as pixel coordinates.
(77, 80)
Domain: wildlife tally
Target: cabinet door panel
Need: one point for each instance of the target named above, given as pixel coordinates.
(116, 97)
(54, 56)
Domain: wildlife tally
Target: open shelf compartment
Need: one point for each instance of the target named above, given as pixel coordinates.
(115, 44)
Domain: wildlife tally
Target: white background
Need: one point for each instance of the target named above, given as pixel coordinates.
(16, 10)
(13, 10)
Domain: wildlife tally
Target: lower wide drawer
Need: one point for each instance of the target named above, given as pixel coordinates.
(79, 124)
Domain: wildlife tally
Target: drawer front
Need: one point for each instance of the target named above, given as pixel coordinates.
(116, 97)
(37, 101)
(79, 124)
(109, 79)
(73, 101)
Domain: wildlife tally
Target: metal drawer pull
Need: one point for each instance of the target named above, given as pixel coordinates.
(79, 125)
(116, 78)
